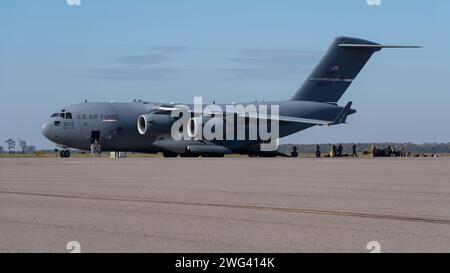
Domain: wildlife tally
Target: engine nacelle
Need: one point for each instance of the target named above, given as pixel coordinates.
(197, 125)
(208, 149)
(193, 125)
(155, 124)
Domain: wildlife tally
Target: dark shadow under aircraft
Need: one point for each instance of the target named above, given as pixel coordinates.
(147, 127)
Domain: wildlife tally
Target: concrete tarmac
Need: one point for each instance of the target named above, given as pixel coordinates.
(224, 204)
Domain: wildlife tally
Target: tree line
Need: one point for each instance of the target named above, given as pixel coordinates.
(19, 146)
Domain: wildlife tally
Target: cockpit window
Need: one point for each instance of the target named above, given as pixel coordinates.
(62, 115)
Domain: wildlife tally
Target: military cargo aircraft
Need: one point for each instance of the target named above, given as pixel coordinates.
(147, 127)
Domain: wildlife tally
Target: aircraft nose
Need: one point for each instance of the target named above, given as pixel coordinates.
(46, 129)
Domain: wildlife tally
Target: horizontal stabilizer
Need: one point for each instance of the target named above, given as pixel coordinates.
(342, 116)
(376, 46)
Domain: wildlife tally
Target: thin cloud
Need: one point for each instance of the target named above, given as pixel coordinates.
(249, 64)
(142, 60)
(263, 73)
(277, 58)
(162, 55)
(169, 49)
(141, 74)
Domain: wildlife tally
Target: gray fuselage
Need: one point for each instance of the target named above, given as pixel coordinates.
(74, 126)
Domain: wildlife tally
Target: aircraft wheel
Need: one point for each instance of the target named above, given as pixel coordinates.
(64, 154)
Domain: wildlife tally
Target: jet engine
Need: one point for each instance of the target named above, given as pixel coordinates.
(198, 123)
(155, 124)
(199, 126)
(193, 125)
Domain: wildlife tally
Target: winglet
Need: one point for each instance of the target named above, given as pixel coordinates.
(342, 116)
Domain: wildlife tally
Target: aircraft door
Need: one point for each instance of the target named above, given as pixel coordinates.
(95, 136)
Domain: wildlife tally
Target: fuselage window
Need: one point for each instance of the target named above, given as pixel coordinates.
(68, 115)
(57, 123)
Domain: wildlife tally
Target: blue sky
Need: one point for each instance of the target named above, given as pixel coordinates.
(52, 54)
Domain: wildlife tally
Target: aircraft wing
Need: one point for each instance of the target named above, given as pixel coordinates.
(286, 118)
(172, 108)
(340, 118)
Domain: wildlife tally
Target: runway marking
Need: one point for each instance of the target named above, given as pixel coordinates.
(241, 206)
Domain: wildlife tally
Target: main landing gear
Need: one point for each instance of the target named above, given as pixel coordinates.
(64, 153)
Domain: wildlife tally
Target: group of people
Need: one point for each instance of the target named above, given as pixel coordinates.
(391, 151)
(96, 149)
(335, 151)
(338, 151)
